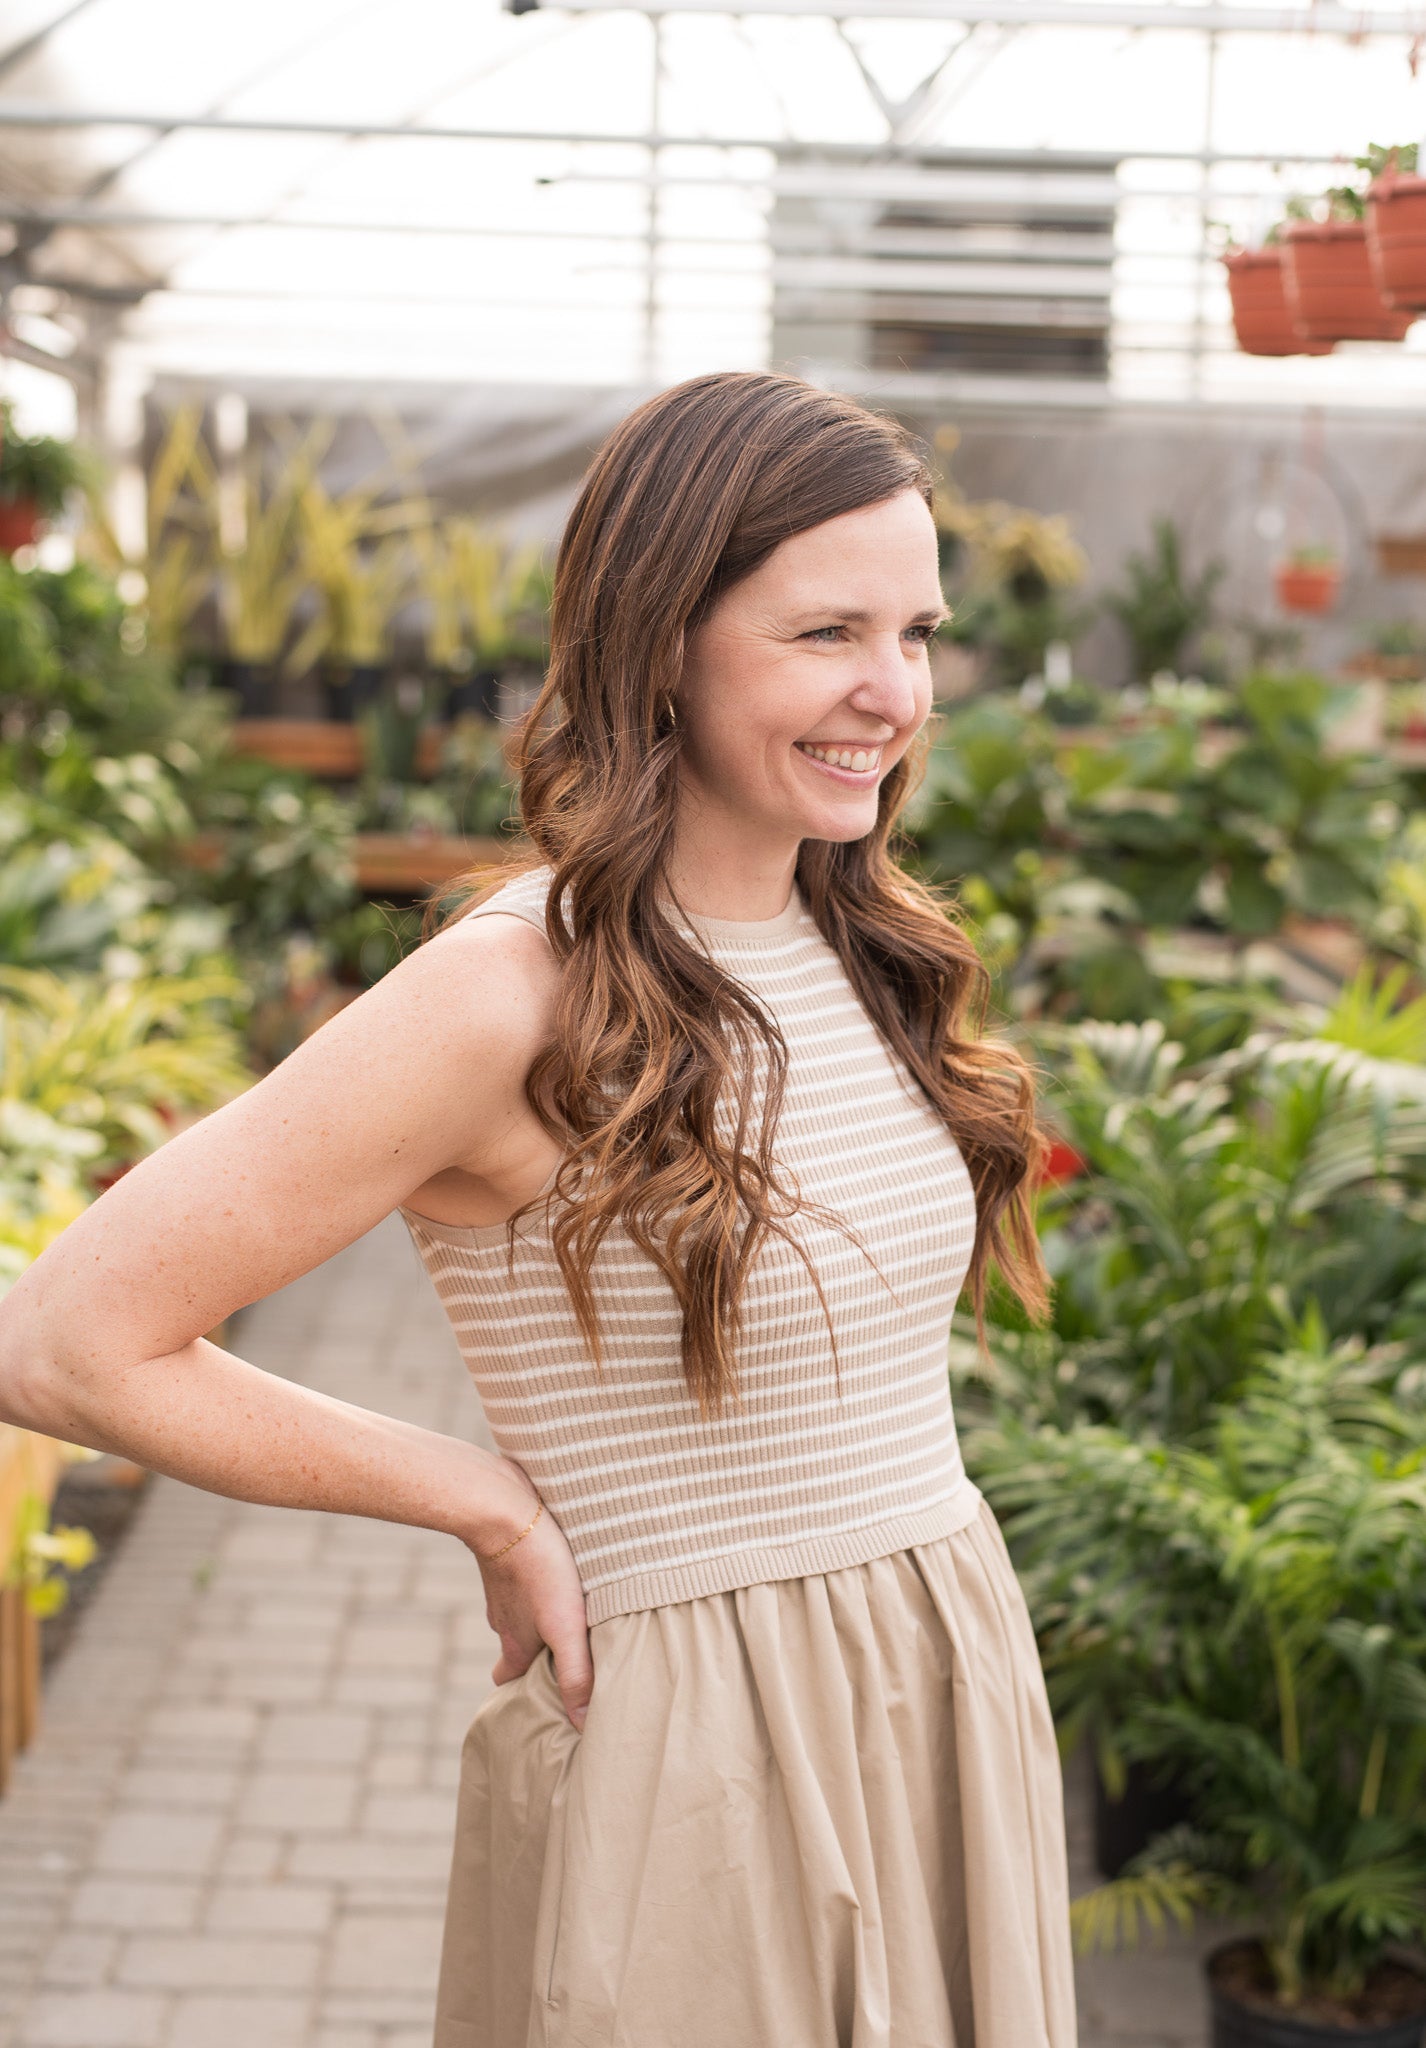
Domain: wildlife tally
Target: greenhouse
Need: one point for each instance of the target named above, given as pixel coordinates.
(396, 407)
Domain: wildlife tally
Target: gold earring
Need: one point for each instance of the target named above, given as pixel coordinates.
(672, 712)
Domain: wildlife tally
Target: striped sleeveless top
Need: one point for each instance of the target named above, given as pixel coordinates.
(658, 1505)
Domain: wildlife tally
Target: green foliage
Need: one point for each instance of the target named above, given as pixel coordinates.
(1249, 1609)
(73, 897)
(92, 1074)
(1225, 1202)
(114, 1061)
(1159, 607)
(38, 469)
(44, 1554)
(1371, 1017)
(1082, 845)
(1381, 157)
(284, 854)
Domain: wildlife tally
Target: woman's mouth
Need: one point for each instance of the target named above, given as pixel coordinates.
(857, 766)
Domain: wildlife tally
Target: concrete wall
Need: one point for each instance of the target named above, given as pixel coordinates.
(1221, 476)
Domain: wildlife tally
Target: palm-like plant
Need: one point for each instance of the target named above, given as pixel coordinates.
(1251, 1610)
(1160, 606)
(1223, 1202)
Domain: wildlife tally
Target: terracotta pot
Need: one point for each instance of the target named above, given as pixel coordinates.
(1331, 287)
(1307, 586)
(1262, 319)
(1396, 238)
(19, 524)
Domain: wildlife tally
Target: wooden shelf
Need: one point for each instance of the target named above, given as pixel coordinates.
(409, 864)
(323, 747)
(399, 863)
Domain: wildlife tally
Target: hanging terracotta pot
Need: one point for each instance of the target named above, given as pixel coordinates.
(1307, 586)
(1331, 287)
(1262, 319)
(1396, 238)
(19, 524)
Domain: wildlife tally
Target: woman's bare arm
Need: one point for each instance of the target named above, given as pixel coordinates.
(101, 1340)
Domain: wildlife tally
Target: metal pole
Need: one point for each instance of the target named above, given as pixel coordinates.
(651, 263)
(1200, 283)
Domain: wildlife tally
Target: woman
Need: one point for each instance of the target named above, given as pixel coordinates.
(691, 1125)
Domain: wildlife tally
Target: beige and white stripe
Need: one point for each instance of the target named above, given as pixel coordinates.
(657, 1504)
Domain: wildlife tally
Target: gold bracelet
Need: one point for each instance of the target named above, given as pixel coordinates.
(490, 1559)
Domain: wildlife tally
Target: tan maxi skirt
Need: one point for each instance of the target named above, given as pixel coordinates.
(821, 1812)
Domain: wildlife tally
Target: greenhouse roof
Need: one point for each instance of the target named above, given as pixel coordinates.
(444, 192)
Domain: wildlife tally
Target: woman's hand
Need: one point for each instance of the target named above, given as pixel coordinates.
(533, 1598)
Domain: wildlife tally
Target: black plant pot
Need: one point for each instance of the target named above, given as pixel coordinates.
(476, 694)
(1243, 2026)
(252, 683)
(348, 691)
(1124, 1827)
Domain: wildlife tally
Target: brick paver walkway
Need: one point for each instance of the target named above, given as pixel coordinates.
(234, 1828)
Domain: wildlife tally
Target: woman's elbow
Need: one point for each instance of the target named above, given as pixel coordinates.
(36, 1390)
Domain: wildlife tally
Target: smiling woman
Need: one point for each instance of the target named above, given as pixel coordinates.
(763, 1147)
(695, 1127)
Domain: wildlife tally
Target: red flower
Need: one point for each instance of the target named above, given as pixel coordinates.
(1063, 1163)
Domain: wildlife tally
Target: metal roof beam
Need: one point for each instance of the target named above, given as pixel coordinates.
(1327, 19)
(16, 114)
(27, 46)
(96, 218)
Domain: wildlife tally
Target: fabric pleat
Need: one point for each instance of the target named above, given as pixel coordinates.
(817, 1812)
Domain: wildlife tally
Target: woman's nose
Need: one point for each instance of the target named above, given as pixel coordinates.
(888, 686)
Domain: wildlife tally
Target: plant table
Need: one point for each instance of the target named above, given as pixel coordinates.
(322, 747)
(29, 1464)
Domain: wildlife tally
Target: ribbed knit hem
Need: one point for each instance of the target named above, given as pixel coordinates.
(784, 1560)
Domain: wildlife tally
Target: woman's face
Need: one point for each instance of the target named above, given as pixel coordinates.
(808, 681)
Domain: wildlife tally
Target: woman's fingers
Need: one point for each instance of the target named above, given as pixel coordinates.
(574, 1670)
(534, 1598)
(514, 1660)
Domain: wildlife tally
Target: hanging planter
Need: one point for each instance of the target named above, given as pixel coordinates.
(1396, 239)
(20, 520)
(1309, 580)
(1262, 318)
(37, 473)
(1331, 287)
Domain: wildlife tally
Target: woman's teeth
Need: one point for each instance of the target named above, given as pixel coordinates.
(855, 758)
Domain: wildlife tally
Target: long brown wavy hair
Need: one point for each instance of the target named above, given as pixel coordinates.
(691, 492)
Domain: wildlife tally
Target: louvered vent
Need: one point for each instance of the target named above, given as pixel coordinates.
(964, 263)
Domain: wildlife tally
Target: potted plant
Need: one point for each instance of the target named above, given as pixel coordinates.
(37, 473)
(355, 556)
(1263, 321)
(472, 585)
(1302, 1728)
(1160, 608)
(1308, 579)
(1396, 224)
(1332, 288)
(259, 582)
